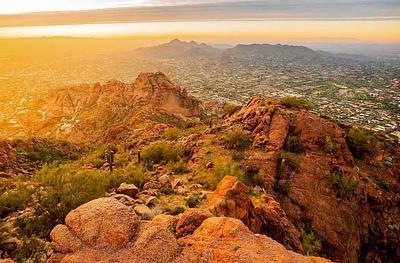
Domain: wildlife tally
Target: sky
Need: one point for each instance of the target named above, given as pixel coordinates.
(375, 21)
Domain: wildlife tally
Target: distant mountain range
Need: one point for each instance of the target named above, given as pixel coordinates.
(178, 49)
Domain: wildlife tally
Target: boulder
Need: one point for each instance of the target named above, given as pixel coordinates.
(128, 189)
(231, 199)
(103, 222)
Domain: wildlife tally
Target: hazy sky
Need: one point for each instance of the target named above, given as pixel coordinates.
(357, 20)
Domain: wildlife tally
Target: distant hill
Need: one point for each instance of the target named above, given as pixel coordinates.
(270, 51)
(178, 49)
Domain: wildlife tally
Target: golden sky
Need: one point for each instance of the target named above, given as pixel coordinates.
(311, 20)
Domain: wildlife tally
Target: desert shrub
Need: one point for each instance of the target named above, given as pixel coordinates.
(31, 225)
(194, 200)
(326, 143)
(206, 179)
(172, 134)
(177, 210)
(44, 152)
(310, 243)
(345, 185)
(230, 108)
(159, 152)
(32, 250)
(66, 187)
(223, 167)
(16, 199)
(296, 102)
(237, 139)
(293, 144)
(291, 160)
(179, 167)
(359, 141)
(136, 175)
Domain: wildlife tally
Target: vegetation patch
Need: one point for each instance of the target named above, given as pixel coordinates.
(296, 102)
(360, 141)
(230, 108)
(160, 152)
(289, 159)
(345, 185)
(311, 245)
(172, 134)
(237, 139)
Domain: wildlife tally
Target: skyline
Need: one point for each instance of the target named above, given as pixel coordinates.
(234, 20)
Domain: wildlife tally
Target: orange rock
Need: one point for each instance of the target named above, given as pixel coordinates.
(231, 199)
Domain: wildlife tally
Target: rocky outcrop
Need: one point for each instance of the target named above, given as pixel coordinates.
(297, 154)
(105, 230)
(152, 90)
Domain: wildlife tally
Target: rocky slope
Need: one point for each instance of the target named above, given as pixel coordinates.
(351, 226)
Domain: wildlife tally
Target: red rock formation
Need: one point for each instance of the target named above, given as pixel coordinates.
(347, 225)
(153, 90)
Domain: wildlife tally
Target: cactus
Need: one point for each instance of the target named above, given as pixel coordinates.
(211, 121)
(110, 157)
(139, 157)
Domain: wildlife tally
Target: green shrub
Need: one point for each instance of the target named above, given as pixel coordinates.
(32, 225)
(345, 185)
(16, 199)
(230, 108)
(359, 141)
(290, 159)
(66, 187)
(136, 175)
(194, 200)
(223, 167)
(237, 139)
(293, 144)
(159, 152)
(32, 250)
(179, 167)
(310, 243)
(172, 134)
(177, 210)
(296, 102)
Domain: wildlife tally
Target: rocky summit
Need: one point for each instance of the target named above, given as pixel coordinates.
(138, 173)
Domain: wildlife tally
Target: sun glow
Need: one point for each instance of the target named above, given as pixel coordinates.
(386, 31)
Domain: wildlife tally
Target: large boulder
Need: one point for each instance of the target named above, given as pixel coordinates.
(104, 222)
(231, 199)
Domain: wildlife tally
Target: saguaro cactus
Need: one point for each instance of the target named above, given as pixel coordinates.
(110, 157)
